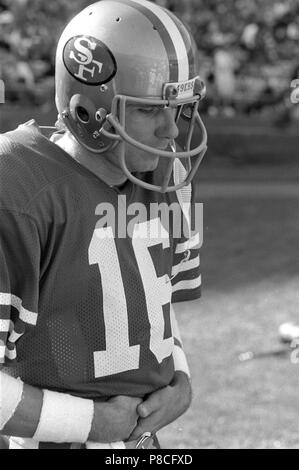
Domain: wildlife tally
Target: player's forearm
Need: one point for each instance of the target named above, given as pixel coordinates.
(43, 415)
(182, 379)
(48, 416)
(25, 418)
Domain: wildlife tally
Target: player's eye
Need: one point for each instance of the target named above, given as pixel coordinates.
(148, 110)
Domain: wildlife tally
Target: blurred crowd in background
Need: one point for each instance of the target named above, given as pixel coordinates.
(249, 51)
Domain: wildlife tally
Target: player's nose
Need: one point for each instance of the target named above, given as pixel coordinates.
(167, 127)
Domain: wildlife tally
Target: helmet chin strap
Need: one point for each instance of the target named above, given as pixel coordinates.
(169, 168)
(172, 145)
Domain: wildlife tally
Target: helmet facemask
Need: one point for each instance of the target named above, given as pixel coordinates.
(98, 76)
(114, 128)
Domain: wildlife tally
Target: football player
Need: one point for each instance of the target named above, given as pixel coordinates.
(89, 345)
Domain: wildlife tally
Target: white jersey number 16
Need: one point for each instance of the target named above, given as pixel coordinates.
(119, 356)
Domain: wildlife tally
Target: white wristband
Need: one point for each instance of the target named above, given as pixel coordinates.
(180, 361)
(111, 445)
(11, 391)
(64, 418)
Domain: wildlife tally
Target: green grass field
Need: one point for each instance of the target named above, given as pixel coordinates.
(250, 269)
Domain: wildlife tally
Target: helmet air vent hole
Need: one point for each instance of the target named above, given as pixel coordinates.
(154, 27)
(118, 19)
(103, 88)
(82, 114)
(91, 13)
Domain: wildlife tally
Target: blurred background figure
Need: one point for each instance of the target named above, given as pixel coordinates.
(243, 45)
(224, 71)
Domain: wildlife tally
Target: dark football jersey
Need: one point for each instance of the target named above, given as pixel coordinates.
(87, 275)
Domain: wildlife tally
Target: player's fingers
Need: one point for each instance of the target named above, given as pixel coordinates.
(151, 424)
(135, 434)
(142, 410)
(139, 430)
(122, 400)
(149, 406)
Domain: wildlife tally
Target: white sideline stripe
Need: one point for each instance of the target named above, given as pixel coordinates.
(187, 245)
(248, 189)
(188, 284)
(185, 266)
(25, 315)
(179, 45)
(2, 351)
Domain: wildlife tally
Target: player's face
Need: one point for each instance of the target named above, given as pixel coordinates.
(152, 126)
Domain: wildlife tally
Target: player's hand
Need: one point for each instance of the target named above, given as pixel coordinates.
(115, 419)
(164, 406)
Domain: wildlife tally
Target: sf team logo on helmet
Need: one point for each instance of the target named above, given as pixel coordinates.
(88, 60)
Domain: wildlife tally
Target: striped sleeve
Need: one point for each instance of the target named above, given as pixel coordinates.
(179, 357)
(19, 281)
(186, 275)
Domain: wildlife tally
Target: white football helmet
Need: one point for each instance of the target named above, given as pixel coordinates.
(119, 52)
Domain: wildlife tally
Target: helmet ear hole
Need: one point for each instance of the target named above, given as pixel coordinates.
(81, 109)
(82, 114)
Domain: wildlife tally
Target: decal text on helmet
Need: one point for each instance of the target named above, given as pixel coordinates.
(184, 89)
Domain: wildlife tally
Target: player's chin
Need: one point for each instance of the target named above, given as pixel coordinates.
(152, 165)
(149, 163)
